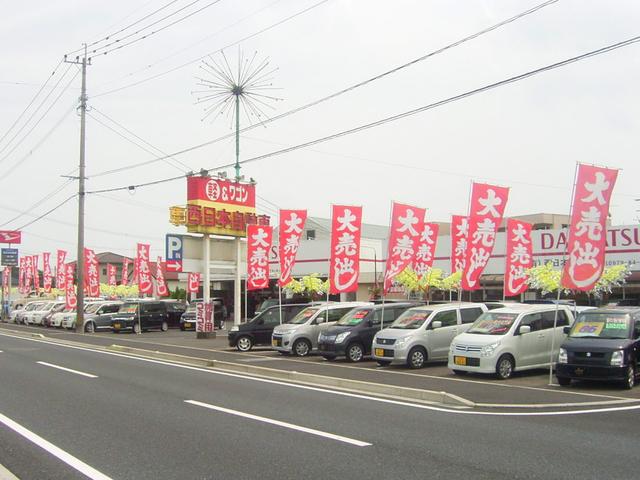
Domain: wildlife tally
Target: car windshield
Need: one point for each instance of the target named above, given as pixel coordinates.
(268, 303)
(601, 325)
(92, 308)
(354, 317)
(492, 323)
(303, 316)
(128, 308)
(411, 319)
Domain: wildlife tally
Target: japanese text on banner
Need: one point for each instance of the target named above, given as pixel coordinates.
(290, 231)
(259, 239)
(519, 257)
(346, 231)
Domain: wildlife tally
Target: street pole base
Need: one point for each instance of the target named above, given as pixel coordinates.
(205, 335)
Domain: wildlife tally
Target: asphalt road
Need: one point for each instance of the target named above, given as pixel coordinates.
(138, 419)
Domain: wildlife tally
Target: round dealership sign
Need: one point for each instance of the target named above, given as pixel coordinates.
(212, 189)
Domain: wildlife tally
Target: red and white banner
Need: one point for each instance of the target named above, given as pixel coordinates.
(6, 276)
(290, 231)
(70, 292)
(485, 216)
(204, 317)
(28, 274)
(125, 270)
(10, 236)
(459, 235)
(519, 257)
(91, 273)
(193, 282)
(145, 284)
(47, 279)
(407, 223)
(22, 275)
(587, 233)
(259, 239)
(426, 249)
(346, 233)
(36, 275)
(161, 285)
(112, 280)
(60, 269)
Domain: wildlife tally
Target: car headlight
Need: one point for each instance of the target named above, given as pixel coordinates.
(488, 350)
(401, 341)
(562, 356)
(235, 328)
(341, 336)
(617, 358)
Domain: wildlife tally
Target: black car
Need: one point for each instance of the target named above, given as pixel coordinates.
(175, 310)
(188, 318)
(603, 344)
(257, 331)
(142, 315)
(272, 302)
(352, 335)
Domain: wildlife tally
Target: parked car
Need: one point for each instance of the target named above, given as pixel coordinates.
(47, 319)
(140, 316)
(300, 336)
(69, 320)
(271, 302)
(603, 344)
(57, 318)
(23, 315)
(175, 310)
(97, 316)
(511, 339)
(188, 316)
(258, 330)
(352, 335)
(423, 334)
(36, 316)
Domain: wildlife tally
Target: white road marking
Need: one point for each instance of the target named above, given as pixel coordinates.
(67, 369)
(57, 452)
(279, 423)
(329, 391)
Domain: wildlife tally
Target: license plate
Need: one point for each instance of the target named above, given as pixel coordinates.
(274, 342)
(187, 325)
(460, 360)
(379, 352)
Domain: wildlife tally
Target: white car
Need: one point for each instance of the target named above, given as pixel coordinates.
(36, 316)
(24, 314)
(69, 320)
(506, 340)
(56, 318)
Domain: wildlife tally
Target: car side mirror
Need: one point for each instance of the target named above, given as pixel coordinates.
(525, 329)
(566, 330)
(436, 324)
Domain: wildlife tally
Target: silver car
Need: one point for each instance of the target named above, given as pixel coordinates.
(423, 334)
(300, 335)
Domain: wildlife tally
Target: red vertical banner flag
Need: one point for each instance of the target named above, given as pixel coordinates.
(111, 275)
(6, 276)
(459, 234)
(290, 231)
(36, 276)
(91, 273)
(426, 249)
(193, 282)
(47, 279)
(407, 223)
(161, 285)
(259, 239)
(21, 275)
(346, 233)
(70, 293)
(587, 232)
(125, 270)
(519, 257)
(60, 269)
(485, 216)
(145, 284)
(28, 273)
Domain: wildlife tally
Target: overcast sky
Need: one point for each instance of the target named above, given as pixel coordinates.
(528, 135)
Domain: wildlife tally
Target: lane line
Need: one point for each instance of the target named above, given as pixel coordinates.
(57, 452)
(329, 391)
(320, 433)
(67, 369)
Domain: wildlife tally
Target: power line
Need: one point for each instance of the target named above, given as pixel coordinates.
(48, 212)
(374, 78)
(191, 62)
(399, 116)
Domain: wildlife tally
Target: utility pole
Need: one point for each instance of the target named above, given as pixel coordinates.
(81, 193)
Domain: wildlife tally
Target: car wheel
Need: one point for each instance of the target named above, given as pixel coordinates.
(301, 348)
(136, 328)
(460, 372)
(384, 363)
(355, 353)
(630, 379)
(564, 381)
(417, 357)
(244, 344)
(90, 327)
(504, 367)
(164, 327)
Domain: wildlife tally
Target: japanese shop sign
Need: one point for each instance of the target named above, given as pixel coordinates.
(291, 227)
(519, 257)
(193, 282)
(10, 257)
(346, 231)
(426, 249)
(218, 206)
(259, 240)
(10, 236)
(587, 232)
(204, 317)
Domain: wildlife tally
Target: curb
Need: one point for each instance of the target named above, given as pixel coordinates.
(6, 474)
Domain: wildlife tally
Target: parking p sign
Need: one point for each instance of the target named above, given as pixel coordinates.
(173, 252)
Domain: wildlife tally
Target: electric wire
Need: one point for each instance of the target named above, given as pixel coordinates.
(47, 213)
(399, 116)
(374, 78)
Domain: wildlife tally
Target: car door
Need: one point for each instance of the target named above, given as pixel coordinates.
(439, 339)
(529, 348)
(103, 320)
(265, 325)
(553, 337)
